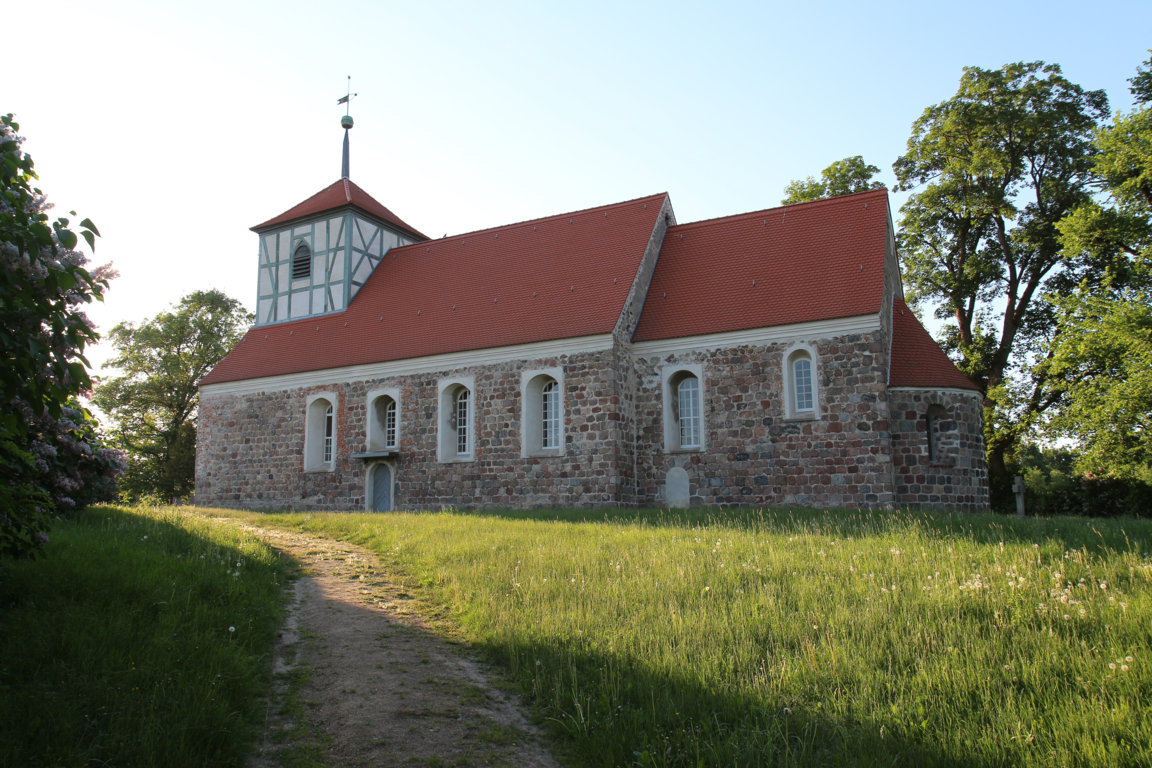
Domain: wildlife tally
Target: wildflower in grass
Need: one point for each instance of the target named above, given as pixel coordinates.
(231, 629)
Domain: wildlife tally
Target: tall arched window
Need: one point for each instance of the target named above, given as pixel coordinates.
(550, 415)
(462, 421)
(683, 408)
(800, 384)
(542, 412)
(320, 433)
(329, 433)
(383, 420)
(456, 438)
(688, 399)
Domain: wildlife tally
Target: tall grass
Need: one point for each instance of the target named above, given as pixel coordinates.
(806, 638)
(141, 637)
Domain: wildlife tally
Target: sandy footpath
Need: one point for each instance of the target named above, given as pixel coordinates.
(368, 684)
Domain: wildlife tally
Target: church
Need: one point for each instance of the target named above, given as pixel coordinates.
(603, 357)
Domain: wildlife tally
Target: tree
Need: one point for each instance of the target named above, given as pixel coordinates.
(50, 456)
(843, 177)
(996, 168)
(1104, 349)
(154, 401)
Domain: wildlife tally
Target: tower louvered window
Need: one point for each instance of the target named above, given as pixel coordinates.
(302, 262)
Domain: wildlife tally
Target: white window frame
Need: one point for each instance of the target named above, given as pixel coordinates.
(532, 430)
(449, 437)
(792, 409)
(320, 447)
(376, 432)
(671, 377)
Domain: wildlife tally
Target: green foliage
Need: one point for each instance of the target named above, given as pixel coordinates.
(43, 286)
(142, 639)
(1105, 355)
(657, 638)
(1055, 486)
(996, 168)
(1103, 352)
(843, 177)
(154, 400)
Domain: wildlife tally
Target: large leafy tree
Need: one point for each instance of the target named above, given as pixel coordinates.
(993, 170)
(51, 459)
(1103, 352)
(843, 177)
(154, 400)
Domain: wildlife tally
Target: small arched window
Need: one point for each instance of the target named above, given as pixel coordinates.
(302, 262)
(937, 423)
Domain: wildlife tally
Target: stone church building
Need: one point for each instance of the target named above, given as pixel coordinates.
(603, 357)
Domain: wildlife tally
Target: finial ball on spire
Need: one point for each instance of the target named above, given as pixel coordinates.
(346, 122)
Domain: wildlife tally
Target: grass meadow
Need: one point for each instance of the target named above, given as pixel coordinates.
(141, 637)
(799, 638)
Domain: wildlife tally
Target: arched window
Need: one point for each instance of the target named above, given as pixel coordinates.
(302, 262)
(683, 409)
(462, 421)
(800, 384)
(550, 416)
(320, 433)
(937, 424)
(329, 433)
(455, 438)
(688, 400)
(383, 420)
(541, 413)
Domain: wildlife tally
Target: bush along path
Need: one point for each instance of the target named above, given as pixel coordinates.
(363, 679)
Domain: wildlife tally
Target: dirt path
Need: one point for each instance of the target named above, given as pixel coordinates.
(362, 681)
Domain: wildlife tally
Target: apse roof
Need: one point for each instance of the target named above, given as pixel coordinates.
(917, 360)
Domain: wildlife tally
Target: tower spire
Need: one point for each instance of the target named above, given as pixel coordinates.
(346, 122)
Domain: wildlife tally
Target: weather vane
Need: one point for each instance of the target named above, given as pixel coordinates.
(347, 98)
(346, 123)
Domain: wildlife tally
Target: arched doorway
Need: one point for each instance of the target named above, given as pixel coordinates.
(381, 488)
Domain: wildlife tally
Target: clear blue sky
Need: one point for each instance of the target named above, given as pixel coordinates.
(177, 126)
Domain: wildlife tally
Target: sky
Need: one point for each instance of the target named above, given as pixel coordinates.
(178, 126)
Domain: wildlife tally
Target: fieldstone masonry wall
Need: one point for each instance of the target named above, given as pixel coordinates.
(957, 477)
(755, 454)
(866, 446)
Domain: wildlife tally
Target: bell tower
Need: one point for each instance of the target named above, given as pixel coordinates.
(315, 256)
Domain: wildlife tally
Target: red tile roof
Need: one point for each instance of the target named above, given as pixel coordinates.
(813, 261)
(917, 360)
(555, 278)
(339, 194)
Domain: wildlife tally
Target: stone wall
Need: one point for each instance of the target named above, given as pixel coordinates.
(250, 446)
(753, 453)
(852, 453)
(957, 476)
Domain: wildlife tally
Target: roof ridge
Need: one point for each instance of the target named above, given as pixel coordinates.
(593, 209)
(838, 199)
